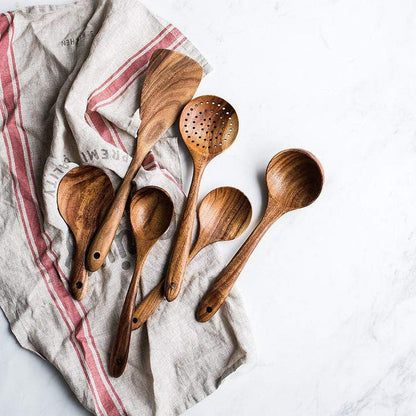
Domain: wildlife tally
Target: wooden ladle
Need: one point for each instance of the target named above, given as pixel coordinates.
(224, 214)
(208, 126)
(151, 212)
(294, 180)
(84, 194)
(171, 81)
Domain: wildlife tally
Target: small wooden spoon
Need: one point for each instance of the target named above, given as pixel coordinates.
(208, 126)
(171, 81)
(151, 212)
(294, 180)
(224, 214)
(84, 194)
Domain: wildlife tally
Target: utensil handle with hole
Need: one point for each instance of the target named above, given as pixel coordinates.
(180, 253)
(219, 291)
(78, 282)
(120, 350)
(148, 305)
(151, 302)
(104, 237)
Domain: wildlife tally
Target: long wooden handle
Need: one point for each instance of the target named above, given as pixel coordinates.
(78, 282)
(151, 302)
(120, 350)
(217, 293)
(180, 253)
(104, 237)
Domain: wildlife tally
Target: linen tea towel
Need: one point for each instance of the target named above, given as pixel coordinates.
(70, 78)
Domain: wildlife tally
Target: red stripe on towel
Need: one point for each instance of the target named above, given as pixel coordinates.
(120, 84)
(106, 130)
(123, 77)
(6, 83)
(23, 183)
(94, 92)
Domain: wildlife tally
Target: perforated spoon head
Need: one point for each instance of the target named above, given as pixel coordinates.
(151, 212)
(224, 214)
(294, 179)
(208, 126)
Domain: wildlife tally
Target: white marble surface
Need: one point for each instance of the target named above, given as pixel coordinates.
(331, 291)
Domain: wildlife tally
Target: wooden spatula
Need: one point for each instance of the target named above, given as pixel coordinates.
(171, 81)
(84, 194)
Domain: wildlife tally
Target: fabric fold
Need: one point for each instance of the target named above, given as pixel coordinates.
(70, 78)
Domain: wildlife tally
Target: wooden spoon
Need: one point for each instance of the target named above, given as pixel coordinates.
(224, 214)
(208, 126)
(151, 212)
(84, 194)
(294, 180)
(171, 81)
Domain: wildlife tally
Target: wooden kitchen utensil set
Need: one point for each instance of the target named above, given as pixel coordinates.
(208, 126)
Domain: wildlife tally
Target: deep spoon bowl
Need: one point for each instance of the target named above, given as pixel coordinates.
(224, 214)
(151, 213)
(294, 179)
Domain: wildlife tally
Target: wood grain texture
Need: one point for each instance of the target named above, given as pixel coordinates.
(208, 126)
(171, 81)
(224, 214)
(294, 180)
(151, 212)
(84, 195)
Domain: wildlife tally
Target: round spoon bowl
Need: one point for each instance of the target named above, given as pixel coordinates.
(224, 214)
(208, 125)
(151, 212)
(294, 179)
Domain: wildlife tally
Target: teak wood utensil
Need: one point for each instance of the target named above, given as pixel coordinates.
(84, 194)
(208, 126)
(171, 81)
(151, 212)
(294, 180)
(224, 214)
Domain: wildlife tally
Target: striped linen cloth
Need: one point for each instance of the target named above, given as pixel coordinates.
(69, 80)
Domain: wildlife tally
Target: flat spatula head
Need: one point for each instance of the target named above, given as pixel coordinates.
(171, 81)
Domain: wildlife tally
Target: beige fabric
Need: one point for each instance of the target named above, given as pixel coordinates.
(70, 78)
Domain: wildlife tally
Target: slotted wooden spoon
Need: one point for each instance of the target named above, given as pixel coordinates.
(171, 81)
(151, 212)
(224, 214)
(294, 180)
(84, 194)
(208, 126)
